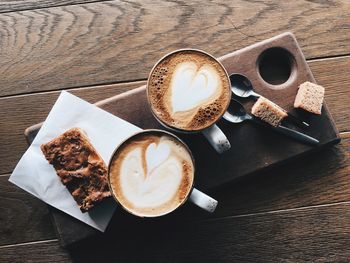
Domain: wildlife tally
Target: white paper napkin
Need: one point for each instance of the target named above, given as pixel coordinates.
(34, 174)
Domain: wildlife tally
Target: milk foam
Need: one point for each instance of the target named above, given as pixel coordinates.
(188, 90)
(192, 86)
(153, 180)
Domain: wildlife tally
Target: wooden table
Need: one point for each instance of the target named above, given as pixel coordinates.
(96, 49)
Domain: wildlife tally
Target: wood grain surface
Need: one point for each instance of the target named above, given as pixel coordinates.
(301, 235)
(294, 213)
(115, 41)
(286, 187)
(335, 78)
(20, 5)
(307, 234)
(18, 208)
(214, 170)
(37, 252)
(25, 110)
(292, 185)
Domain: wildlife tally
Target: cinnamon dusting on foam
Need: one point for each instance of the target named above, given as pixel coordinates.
(163, 195)
(195, 67)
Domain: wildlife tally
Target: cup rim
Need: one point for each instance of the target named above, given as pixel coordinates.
(170, 54)
(128, 139)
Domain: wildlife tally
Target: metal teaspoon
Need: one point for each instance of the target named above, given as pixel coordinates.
(237, 114)
(242, 87)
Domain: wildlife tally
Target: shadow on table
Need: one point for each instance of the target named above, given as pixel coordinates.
(191, 235)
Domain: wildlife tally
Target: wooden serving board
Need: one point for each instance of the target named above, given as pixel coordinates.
(253, 148)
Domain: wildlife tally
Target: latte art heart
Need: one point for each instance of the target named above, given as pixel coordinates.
(192, 86)
(157, 181)
(188, 90)
(152, 175)
(156, 155)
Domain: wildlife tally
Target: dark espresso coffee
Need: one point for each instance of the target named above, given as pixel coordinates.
(188, 90)
(151, 174)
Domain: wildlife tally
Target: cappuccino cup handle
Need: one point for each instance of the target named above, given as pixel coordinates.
(217, 138)
(203, 201)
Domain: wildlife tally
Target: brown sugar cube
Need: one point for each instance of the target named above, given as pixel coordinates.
(268, 111)
(310, 97)
(79, 166)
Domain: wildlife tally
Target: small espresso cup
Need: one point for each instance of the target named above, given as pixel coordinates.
(188, 91)
(152, 173)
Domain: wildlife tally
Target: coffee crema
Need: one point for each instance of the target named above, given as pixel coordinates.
(188, 90)
(151, 174)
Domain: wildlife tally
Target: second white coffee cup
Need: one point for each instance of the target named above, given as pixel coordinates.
(152, 174)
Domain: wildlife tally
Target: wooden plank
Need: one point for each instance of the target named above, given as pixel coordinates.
(38, 252)
(345, 135)
(25, 110)
(305, 235)
(20, 5)
(314, 234)
(109, 42)
(23, 217)
(314, 180)
(335, 78)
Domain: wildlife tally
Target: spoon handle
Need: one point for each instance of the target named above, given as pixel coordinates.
(297, 121)
(296, 135)
(287, 131)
